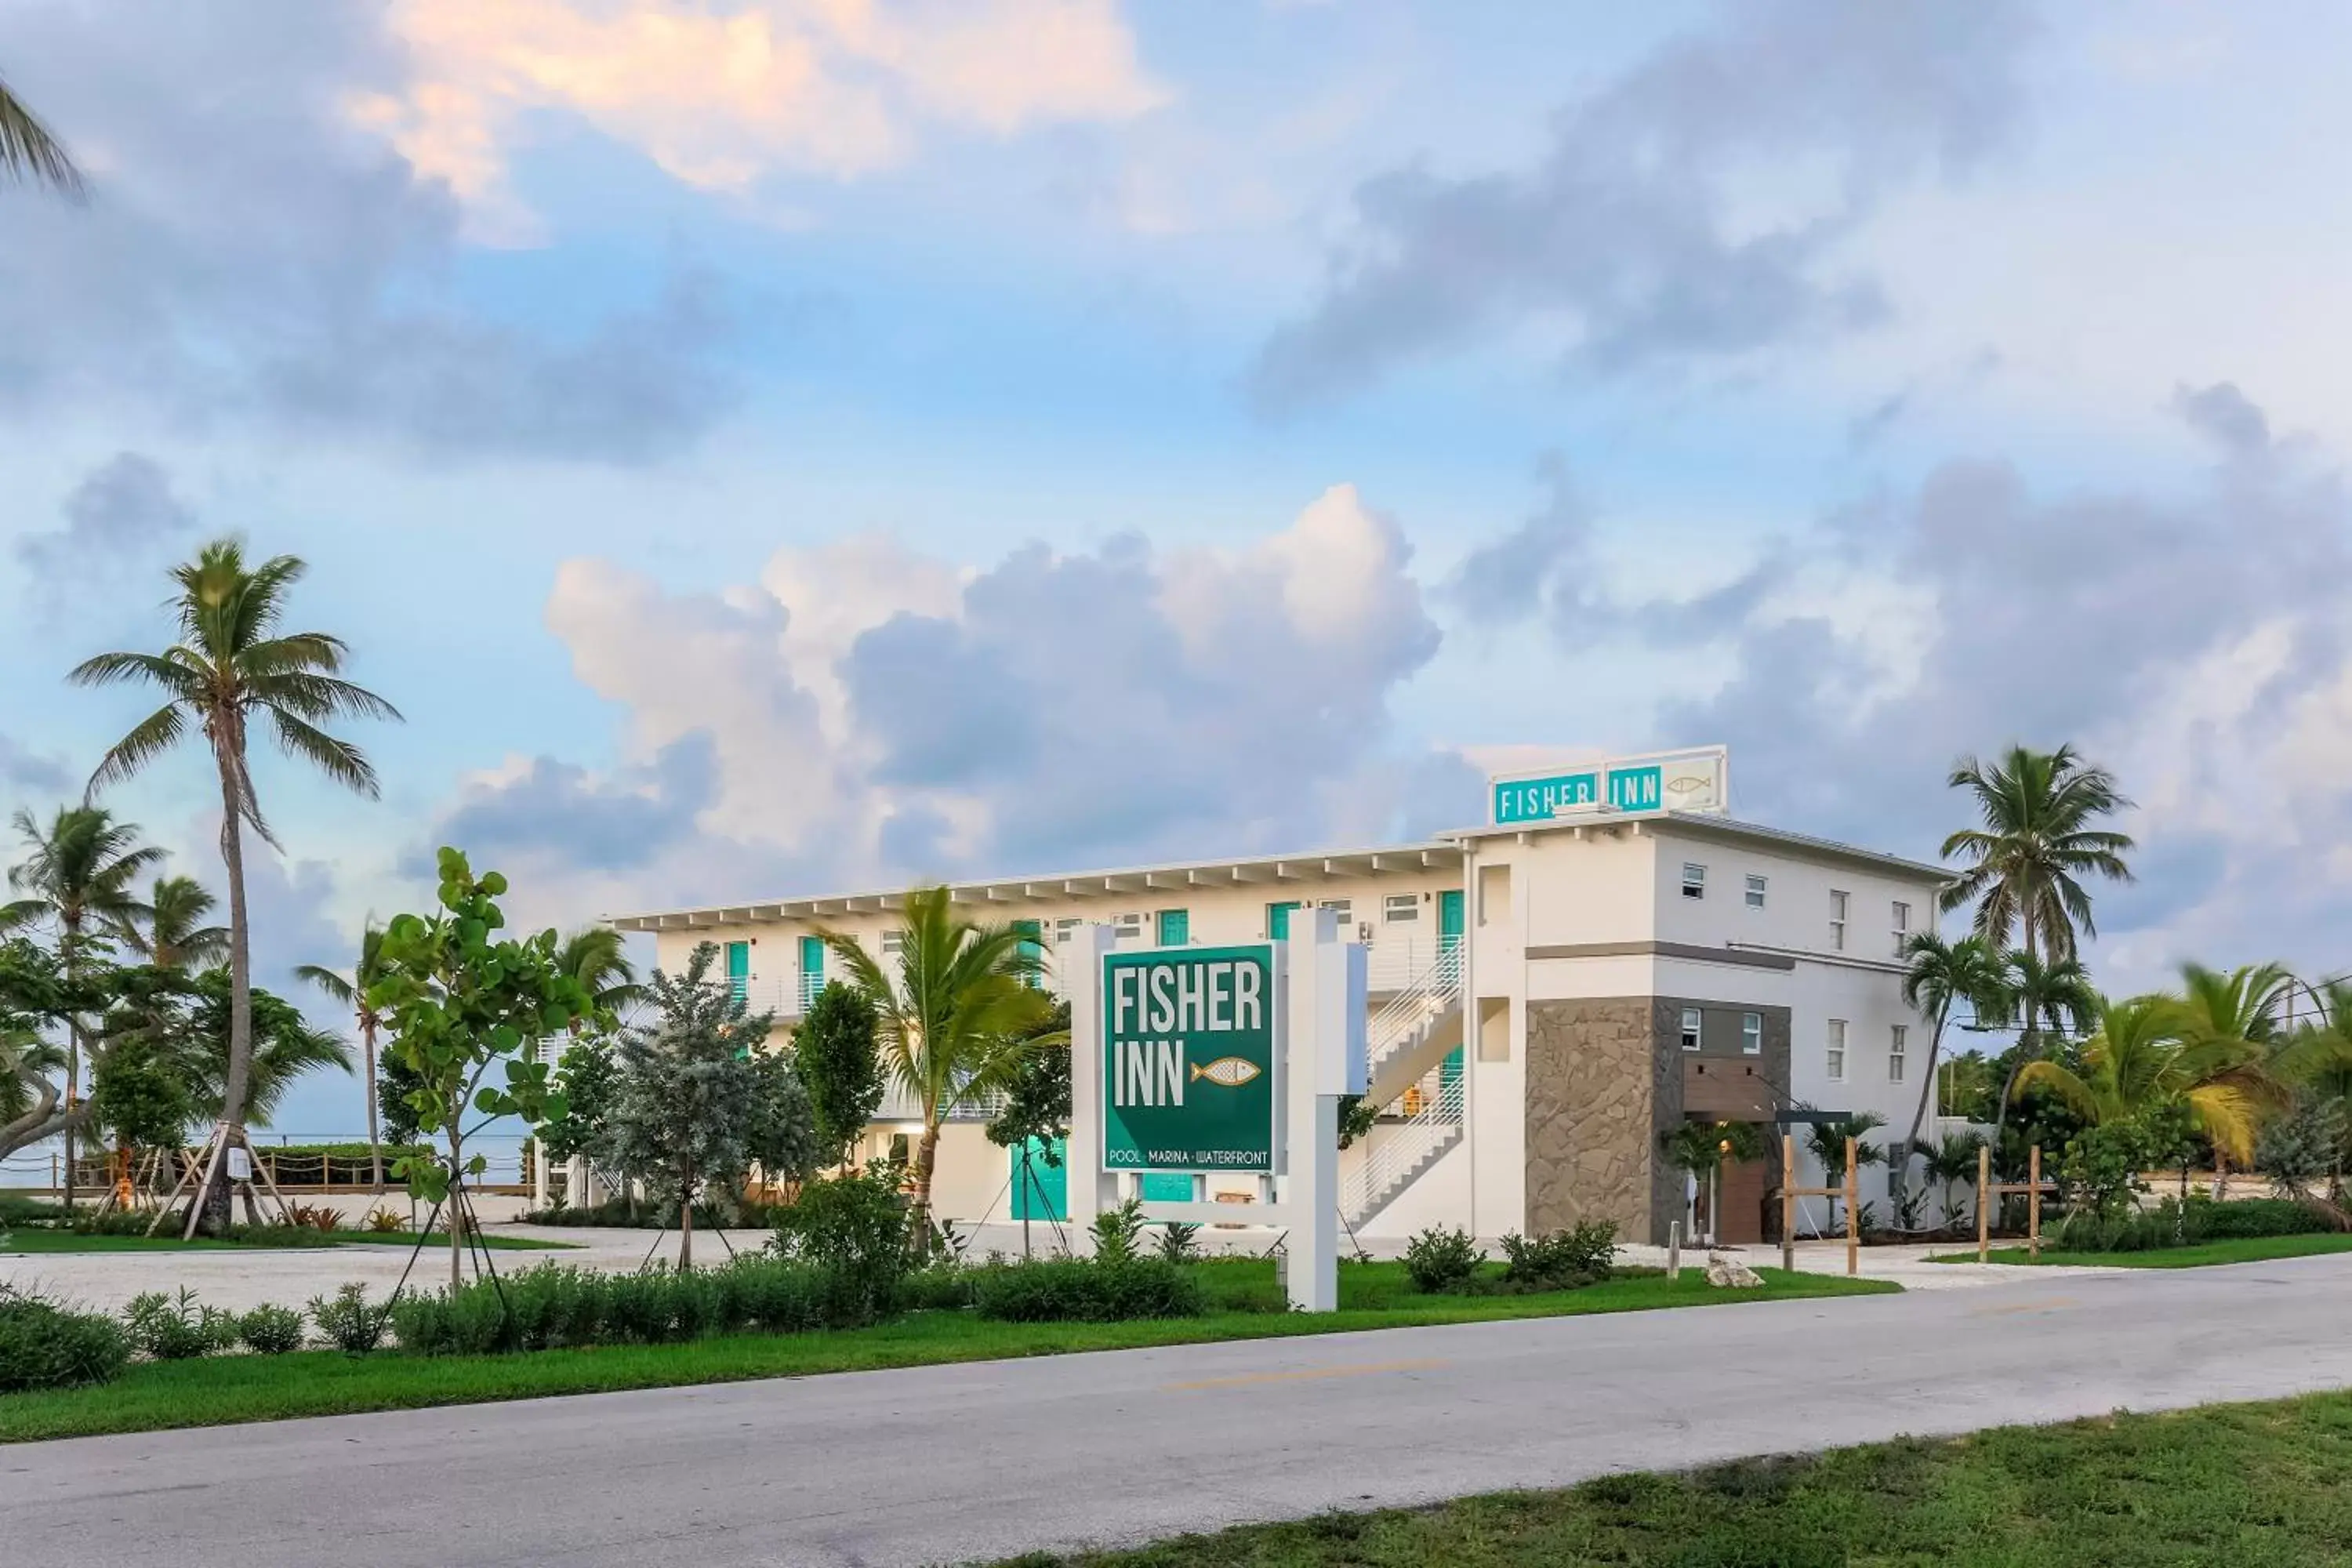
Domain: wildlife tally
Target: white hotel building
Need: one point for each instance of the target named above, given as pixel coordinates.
(1549, 993)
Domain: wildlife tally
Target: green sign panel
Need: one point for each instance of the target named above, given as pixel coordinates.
(1188, 1060)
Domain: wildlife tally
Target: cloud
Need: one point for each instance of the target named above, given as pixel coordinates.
(115, 517)
(251, 254)
(31, 771)
(1048, 709)
(722, 95)
(1688, 212)
(2226, 414)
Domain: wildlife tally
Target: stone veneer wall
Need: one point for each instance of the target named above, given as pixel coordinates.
(1604, 1078)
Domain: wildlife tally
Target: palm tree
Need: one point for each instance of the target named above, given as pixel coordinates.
(175, 935)
(77, 877)
(1950, 1161)
(1826, 1139)
(351, 992)
(2318, 1057)
(1937, 976)
(2236, 1017)
(2051, 995)
(598, 957)
(955, 1019)
(2025, 864)
(2139, 1061)
(230, 665)
(28, 151)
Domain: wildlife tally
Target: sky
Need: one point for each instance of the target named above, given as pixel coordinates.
(776, 446)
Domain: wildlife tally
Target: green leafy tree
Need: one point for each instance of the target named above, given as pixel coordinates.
(231, 667)
(29, 151)
(954, 1015)
(1037, 1103)
(169, 928)
(140, 1087)
(2139, 1063)
(840, 1064)
(77, 880)
(587, 1077)
(1952, 1162)
(285, 1047)
(688, 1102)
(2040, 839)
(2317, 1058)
(460, 1001)
(351, 994)
(783, 1139)
(1939, 976)
(36, 1000)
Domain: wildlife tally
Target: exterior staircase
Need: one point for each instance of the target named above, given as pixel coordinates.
(1402, 1151)
(1406, 1044)
(1421, 1025)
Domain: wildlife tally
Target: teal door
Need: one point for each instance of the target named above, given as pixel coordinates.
(1278, 921)
(1175, 927)
(1041, 1190)
(1449, 918)
(1033, 950)
(812, 968)
(1167, 1186)
(738, 970)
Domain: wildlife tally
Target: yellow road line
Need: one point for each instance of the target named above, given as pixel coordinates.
(1247, 1380)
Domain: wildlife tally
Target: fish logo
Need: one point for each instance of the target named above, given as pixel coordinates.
(1227, 1072)
(1689, 783)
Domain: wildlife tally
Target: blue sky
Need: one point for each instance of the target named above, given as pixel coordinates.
(777, 445)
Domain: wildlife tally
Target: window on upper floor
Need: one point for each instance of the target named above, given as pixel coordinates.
(1898, 1043)
(1343, 908)
(1902, 920)
(894, 943)
(1751, 1034)
(1128, 924)
(1694, 880)
(1398, 908)
(1838, 905)
(1065, 929)
(1755, 892)
(1692, 1021)
(1835, 1059)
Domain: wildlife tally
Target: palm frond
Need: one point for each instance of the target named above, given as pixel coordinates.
(29, 151)
(338, 759)
(148, 739)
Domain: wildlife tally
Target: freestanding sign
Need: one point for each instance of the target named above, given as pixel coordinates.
(1188, 1060)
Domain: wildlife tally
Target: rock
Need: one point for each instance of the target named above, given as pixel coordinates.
(1730, 1273)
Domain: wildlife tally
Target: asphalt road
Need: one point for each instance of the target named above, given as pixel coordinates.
(957, 1463)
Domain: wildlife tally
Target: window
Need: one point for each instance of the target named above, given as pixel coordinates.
(1063, 930)
(1751, 1034)
(1837, 1050)
(1837, 902)
(1755, 892)
(1343, 908)
(1902, 928)
(894, 943)
(1694, 880)
(1128, 925)
(1691, 1021)
(1896, 1043)
(1399, 908)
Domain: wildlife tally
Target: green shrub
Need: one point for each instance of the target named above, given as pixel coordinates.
(177, 1327)
(556, 1305)
(1119, 1233)
(1179, 1242)
(1086, 1290)
(16, 1211)
(2174, 1223)
(271, 1330)
(620, 1214)
(851, 1228)
(1561, 1260)
(2254, 1216)
(1443, 1258)
(942, 1287)
(348, 1321)
(44, 1345)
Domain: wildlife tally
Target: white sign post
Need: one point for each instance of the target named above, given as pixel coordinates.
(1318, 1055)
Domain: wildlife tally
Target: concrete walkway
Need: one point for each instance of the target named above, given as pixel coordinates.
(975, 1462)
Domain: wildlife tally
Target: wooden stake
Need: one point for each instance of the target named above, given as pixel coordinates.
(1789, 1202)
(1984, 1220)
(1853, 1215)
(2033, 1203)
(215, 1152)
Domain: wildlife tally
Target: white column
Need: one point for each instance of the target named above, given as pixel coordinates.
(1089, 1192)
(1322, 1059)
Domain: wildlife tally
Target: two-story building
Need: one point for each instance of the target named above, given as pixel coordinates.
(1548, 996)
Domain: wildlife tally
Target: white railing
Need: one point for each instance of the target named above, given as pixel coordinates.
(899, 1105)
(1429, 997)
(1398, 1151)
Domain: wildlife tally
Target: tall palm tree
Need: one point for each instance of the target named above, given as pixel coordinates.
(2235, 1017)
(1937, 976)
(2138, 1061)
(231, 665)
(29, 151)
(2043, 997)
(955, 1018)
(351, 992)
(2025, 865)
(78, 878)
(169, 930)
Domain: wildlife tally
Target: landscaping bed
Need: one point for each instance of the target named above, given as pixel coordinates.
(2243, 1250)
(2251, 1484)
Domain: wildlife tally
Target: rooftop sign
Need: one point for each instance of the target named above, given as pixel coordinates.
(1696, 780)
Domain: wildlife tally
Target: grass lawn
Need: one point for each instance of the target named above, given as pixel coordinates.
(2239, 1249)
(1247, 1305)
(2252, 1485)
(30, 1241)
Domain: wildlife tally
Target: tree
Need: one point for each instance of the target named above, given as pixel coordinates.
(1037, 1103)
(688, 1100)
(458, 1003)
(1826, 1140)
(587, 1077)
(2317, 1058)
(2235, 1016)
(2041, 995)
(2025, 865)
(1698, 1150)
(1951, 1161)
(1937, 976)
(954, 1019)
(784, 1140)
(141, 1085)
(833, 1052)
(230, 666)
(78, 875)
(598, 958)
(169, 930)
(36, 998)
(2137, 1063)
(352, 995)
(28, 151)
(285, 1047)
